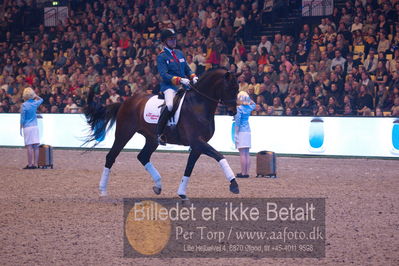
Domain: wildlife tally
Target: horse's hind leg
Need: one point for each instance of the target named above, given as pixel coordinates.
(192, 159)
(122, 136)
(144, 158)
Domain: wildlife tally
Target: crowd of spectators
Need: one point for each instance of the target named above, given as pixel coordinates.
(348, 64)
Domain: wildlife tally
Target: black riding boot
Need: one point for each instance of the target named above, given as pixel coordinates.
(163, 120)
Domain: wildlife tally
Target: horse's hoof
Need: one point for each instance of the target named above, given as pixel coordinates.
(234, 187)
(157, 190)
(103, 193)
(183, 197)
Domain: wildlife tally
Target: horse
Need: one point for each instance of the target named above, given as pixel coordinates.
(194, 128)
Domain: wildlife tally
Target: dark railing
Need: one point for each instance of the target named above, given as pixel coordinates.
(319, 8)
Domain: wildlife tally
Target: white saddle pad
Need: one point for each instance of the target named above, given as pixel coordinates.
(152, 111)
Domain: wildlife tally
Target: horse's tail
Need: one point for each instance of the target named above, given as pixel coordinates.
(100, 118)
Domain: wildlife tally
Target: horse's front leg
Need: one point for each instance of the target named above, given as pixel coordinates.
(205, 148)
(192, 159)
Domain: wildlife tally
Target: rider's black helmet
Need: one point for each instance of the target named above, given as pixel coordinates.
(167, 33)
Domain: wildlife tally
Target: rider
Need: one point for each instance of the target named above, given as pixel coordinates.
(174, 70)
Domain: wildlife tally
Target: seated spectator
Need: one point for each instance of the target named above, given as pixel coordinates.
(243, 85)
(395, 108)
(288, 111)
(358, 38)
(350, 63)
(381, 74)
(323, 25)
(300, 55)
(253, 85)
(369, 25)
(277, 106)
(382, 97)
(357, 25)
(382, 25)
(252, 64)
(265, 95)
(264, 43)
(54, 109)
(330, 35)
(367, 82)
(238, 24)
(239, 49)
(263, 58)
(260, 73)
(71, 107)
(383, 44)
(347, 110)
(321, 111)
(331, 110)
(273, 61)
(278, 43)
(364, 101)
(338, 60)
(283, 84)
(370, 43)
(270, 110)
(259, 110)
(305, 108)
(371, 61)
(317, 36)
(378, 112)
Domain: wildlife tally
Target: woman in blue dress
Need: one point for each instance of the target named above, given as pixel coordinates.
(29, 126)
(242, 137)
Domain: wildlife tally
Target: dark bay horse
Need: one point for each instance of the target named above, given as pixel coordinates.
(195, 127)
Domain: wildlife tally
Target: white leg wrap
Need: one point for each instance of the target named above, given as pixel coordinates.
(104, 180)
(227, 170)
(183, 185)
(154, 174)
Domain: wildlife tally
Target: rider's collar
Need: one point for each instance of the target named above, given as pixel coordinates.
(168, 49)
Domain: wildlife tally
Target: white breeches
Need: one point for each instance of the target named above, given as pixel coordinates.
(169, 96)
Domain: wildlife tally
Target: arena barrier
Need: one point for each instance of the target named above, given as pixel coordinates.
(337, 136)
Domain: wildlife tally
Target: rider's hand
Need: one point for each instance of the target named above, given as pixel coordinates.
(195, 80)
(185, 81)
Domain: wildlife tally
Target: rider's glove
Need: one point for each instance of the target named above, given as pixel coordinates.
(195, 80)
(185, 81)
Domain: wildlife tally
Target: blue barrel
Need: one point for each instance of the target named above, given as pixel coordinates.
(395, 135)
(316, 133)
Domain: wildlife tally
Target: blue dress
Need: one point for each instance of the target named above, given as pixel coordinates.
(29, 121)
(242, 128)
(28, 112)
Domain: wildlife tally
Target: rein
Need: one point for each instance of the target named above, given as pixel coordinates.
(204, 95)
(209, 98)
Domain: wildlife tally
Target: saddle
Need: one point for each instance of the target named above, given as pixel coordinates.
(176, 100)
(152, 109)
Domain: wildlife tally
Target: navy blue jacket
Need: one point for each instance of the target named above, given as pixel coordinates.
(171, 71)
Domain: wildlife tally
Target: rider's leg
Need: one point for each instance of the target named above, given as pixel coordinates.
(163, 118)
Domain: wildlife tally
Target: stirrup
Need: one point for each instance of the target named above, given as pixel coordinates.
(161, 140)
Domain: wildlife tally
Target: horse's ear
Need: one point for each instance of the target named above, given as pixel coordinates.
(227, 76)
